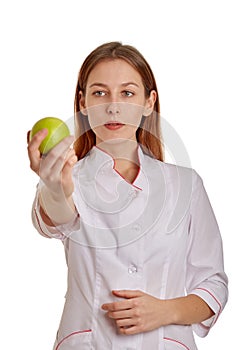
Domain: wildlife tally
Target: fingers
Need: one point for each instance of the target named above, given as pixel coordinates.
(119, 315)
(128, 321)
(118, 306)
(137, 312)
(125, 304)
(28, 136)
(128, 312)
(56, 157)
(70, 161)
(51, 164)
(129, 330)
(122, 309)
(71, 158)
(33, 149)
(36, 140)
(127, 293)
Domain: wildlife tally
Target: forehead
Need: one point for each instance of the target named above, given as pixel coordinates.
(112, 71)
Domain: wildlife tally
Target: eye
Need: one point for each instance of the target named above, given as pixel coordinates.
(99, 93)
(127, 93)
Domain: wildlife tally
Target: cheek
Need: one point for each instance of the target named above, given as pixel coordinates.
(96, 115)
(132, 114)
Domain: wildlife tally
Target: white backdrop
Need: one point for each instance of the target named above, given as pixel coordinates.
(43, 43)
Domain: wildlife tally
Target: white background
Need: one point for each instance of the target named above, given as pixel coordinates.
(43, 43)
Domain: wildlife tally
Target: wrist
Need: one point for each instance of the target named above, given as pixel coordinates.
(57, 207)
(171, 312)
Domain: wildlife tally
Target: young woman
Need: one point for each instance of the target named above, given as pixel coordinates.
(143, 248)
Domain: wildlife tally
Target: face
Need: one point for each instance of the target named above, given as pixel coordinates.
(115, 101)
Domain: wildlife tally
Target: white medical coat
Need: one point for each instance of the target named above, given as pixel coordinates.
(158, 235)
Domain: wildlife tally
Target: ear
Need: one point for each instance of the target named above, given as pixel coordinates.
(150, 102)
(82, 105)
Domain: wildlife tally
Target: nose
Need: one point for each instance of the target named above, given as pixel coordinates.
(113, 108)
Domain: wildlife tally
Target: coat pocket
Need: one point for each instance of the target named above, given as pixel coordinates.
(75, 340)
(173, 344)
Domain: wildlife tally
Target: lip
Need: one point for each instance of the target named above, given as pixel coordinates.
(113, 125)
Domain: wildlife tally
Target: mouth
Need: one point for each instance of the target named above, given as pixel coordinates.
(113, 125)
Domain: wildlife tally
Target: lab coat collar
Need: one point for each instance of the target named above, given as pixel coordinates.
(104, 159)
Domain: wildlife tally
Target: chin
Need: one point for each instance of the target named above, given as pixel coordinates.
(114, 137)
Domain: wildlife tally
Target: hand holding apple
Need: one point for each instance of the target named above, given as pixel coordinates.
(57, 131)
(55, 170)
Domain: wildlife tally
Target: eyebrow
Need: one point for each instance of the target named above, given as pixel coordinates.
(123, 84)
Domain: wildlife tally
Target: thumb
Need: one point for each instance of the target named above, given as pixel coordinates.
(71, 160)
(67, 179)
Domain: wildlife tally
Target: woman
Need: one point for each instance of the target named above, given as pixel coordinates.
(143, 248)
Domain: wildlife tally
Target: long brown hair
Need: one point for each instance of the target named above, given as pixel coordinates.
(149, 132)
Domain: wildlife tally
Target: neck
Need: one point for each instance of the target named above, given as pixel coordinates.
(125, 155)
(121, 150)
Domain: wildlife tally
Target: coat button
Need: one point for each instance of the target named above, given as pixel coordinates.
(132, 269)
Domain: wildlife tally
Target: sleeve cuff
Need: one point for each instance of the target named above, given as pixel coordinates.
(59, 232)
(203, 328)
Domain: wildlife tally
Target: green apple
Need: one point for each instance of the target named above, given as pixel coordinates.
(57, 131)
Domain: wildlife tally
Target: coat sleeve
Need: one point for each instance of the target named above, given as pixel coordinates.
(205, 267)
(60, 232)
